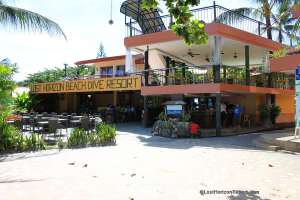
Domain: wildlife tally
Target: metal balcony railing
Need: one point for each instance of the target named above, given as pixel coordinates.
(204, 74)
(207, 15)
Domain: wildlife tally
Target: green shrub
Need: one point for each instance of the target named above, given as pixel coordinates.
(78, 139)
(34, 143)
(11, 140)
(186, 117)
(274, 113)
(25, 102)
(61, 144)
(280, 53)
(94, 139)
(9, 137)
(162, 116)
(264, 111)
(106, 133)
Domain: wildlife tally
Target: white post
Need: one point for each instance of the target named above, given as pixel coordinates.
(129, 61)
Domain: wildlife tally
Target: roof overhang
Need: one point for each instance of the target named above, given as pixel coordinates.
(286, 64)
(212, 30)
(211, 88)
(139, 59)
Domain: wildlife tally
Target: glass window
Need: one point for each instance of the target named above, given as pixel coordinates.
(120, 70)
(106, 71)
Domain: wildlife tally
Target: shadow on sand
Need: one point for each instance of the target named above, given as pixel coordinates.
(19, 181)
(144, 135)
(26, 155)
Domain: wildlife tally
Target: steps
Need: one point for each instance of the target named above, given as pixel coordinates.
(268, 142)
(263, 145)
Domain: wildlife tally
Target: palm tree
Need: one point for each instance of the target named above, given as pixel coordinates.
(283, 21)
(26, 20)
(262, 12)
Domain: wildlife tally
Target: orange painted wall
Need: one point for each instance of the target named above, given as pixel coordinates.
(287, 105)
(286, 63)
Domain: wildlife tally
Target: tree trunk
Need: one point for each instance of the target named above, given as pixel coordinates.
(269, 28)
(267, 15)
(280, 35)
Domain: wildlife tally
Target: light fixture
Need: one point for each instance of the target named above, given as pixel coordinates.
(111, 21)
(235, 55)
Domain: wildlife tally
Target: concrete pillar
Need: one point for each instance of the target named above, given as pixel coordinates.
(247, 65)
(146, 112)
(217, 79)
(115, 98)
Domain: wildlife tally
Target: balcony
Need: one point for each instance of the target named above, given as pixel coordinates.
(146, 25)
(235, 75)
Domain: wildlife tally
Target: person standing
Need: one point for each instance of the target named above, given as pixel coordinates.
(237, 115)
(223, 113)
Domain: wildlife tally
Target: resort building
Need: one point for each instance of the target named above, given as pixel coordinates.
(233, 68)
(110, 85)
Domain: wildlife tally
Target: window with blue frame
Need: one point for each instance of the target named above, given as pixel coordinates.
(106, 71)
(120, 70)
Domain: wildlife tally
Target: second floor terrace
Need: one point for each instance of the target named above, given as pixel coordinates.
(234, 75)
(140, 22)
(177, 75)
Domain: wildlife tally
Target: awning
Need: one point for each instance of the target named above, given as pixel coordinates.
(149, 21)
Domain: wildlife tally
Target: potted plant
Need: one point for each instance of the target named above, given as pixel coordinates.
(274, 113)
(264, 111)
(166, 128)
(182, 126)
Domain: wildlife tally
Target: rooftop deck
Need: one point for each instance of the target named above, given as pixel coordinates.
(145, 24)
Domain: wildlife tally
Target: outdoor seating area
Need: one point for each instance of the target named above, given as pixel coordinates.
(52, 126)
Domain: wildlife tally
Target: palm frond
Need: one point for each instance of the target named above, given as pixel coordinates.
(232, 16)
(26, 20)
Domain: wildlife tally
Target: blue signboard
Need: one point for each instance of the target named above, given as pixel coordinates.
(174, 110)
(297, 74)
(297, 98)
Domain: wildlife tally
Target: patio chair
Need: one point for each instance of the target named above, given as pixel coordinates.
(85, 124)
(36, 127)
(53, 126)
(246, 121)
(18, 124)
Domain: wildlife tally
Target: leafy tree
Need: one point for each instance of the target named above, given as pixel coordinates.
(57, 74)
(191, 30)
(101, 51)
(7, 85)
(26, 20)
(25, 101)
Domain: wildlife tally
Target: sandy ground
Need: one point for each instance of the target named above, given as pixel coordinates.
(143, 167)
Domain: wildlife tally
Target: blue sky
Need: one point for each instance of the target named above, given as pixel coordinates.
(84, 22)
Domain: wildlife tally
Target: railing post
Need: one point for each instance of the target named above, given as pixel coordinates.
(259, 33)
(215, 11)
(130, 28)
(247, 64)
(168, 60)
(147, 67)
(171, 22)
